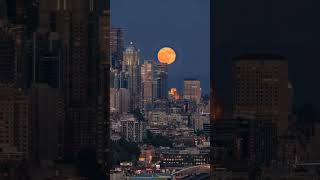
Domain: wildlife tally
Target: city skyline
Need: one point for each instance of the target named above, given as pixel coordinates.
(154, 131)
(154, 25)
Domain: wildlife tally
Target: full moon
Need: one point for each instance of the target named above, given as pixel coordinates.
(167, 55)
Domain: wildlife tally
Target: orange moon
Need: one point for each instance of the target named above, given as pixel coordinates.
(167, 55)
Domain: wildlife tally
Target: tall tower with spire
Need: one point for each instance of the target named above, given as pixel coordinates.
(131, 66)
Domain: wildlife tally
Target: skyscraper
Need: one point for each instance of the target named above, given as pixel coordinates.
(131, 66)
(15, 116)
(103, 123)
(162, 81)
(117, 47)
(261, 90)
(3, 10)
(261, 87)
(77, 23)
(192, 90)
(148, 83)
(14, 56)
(7, 58)
(48, 118)
(119, 100)
(48, 65)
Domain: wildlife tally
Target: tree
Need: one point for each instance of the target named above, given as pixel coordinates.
(158, 140)
(123, 150)
(138, 115)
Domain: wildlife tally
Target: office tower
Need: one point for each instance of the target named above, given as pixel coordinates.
(15, 140)
(10, 10)
(124, 99)
(162, 81)
(82, 83)
(261, 87)
(131, 66)
(132, 129)
(124, 80)
(192, 90)
(104, 34)
(103, 123)
(3, 10)
(113, 78)
(232, 138)
(117, 47)
(112, 74)
(148, 82)
(15, 63)
(77, 23)
(7, 58)
(114, 100)
(48, 65)
(261, 90)
(119, 100)
(22, 13)
(198, 121)
(47, 122)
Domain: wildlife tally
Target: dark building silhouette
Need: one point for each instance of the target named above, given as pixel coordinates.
(48, 116)
(48, 64)
(7, 58)
(162, 81)
(261, 89)
(76, 23)
(54, 71)
(117, 47)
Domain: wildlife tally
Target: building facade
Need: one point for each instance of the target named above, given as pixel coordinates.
(192, 90)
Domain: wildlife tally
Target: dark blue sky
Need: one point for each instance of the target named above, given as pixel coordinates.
(181, 24)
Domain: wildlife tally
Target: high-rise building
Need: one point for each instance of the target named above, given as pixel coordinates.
(15, 64)
(162, 81)
(114, 78)
(103, 122)
(48, 117)
(7, 58)
(20, 12)
(192, 90)
(3, 10)
(15, 125)
(119, 100)
(131, 66)
(148, 83)
(77, 23)
(117, 47)
(261, 87)
(48, 65)
(124, 80)
(10, 10)
(132, 129)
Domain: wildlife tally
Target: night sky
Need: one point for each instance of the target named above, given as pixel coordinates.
(181, 24)
(288, 27)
